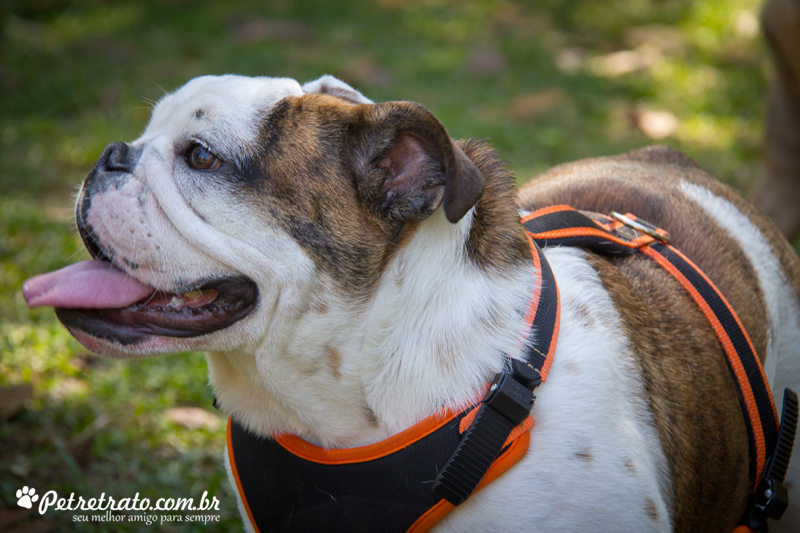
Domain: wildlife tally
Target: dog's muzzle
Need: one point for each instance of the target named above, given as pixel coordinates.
(114, 167)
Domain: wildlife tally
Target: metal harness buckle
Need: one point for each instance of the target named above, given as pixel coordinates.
(642, 226)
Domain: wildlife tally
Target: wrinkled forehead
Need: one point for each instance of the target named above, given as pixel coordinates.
(228, 105)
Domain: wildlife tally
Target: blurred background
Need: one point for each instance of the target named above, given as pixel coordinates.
(545, 82)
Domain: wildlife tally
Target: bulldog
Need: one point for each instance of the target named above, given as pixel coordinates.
(351, 270)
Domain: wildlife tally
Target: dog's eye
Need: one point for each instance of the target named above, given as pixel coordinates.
(199, 158)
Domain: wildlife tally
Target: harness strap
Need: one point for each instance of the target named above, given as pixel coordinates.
(563, 225)
(627, 235)
(510, 397)
(289, 485)
(545, 311)
(745, 367)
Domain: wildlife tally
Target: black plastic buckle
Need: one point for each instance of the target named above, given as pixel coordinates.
(506, 405)
(771, 498)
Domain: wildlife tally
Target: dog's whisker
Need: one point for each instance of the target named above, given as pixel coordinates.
(160, 87)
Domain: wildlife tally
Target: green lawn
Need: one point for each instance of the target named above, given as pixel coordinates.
(546, 82)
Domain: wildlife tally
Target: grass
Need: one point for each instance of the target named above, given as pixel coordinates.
(542, 81)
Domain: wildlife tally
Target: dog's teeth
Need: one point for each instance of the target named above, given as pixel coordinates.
(198, 298)
(159, 309)
(176, 302)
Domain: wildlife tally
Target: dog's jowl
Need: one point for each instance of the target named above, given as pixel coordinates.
(358, 279)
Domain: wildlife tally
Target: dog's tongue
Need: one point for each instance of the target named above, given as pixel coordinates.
(84, 285)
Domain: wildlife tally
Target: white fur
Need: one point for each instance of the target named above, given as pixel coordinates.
(591, 404)
(230, 104)
(425, 345)
(418, 346)
(782, 364)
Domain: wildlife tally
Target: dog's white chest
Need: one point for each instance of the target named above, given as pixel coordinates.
(592, 435)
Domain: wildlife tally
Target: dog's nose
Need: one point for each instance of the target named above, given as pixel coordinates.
(115, 165)
(119, 157)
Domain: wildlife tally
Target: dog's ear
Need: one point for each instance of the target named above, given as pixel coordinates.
(407, 165)
(327, 84)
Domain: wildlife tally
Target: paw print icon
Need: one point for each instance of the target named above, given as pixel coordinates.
(26, 497)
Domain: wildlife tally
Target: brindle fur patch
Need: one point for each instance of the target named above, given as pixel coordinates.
(333, 358)
(584, 454)
(650, 510)
(318, 175)
(680, 359)
(496, 240)
(302, 181)
(582, 314)
(661, 322)
(372, 418)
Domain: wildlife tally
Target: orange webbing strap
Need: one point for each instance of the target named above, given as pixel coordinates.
(370, 452)
(743, 362)
(563, 225)
(235, 472)
(545, 312)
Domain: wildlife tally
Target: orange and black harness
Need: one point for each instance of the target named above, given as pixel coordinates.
(412, 480)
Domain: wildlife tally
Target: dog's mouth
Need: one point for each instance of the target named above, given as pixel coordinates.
(104, 302)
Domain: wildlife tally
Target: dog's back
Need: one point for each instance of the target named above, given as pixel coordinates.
(692, 398)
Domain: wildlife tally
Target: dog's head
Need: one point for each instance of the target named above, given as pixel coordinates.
(241, 197)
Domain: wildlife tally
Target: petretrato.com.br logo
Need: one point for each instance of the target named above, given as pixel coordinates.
(109, 509)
